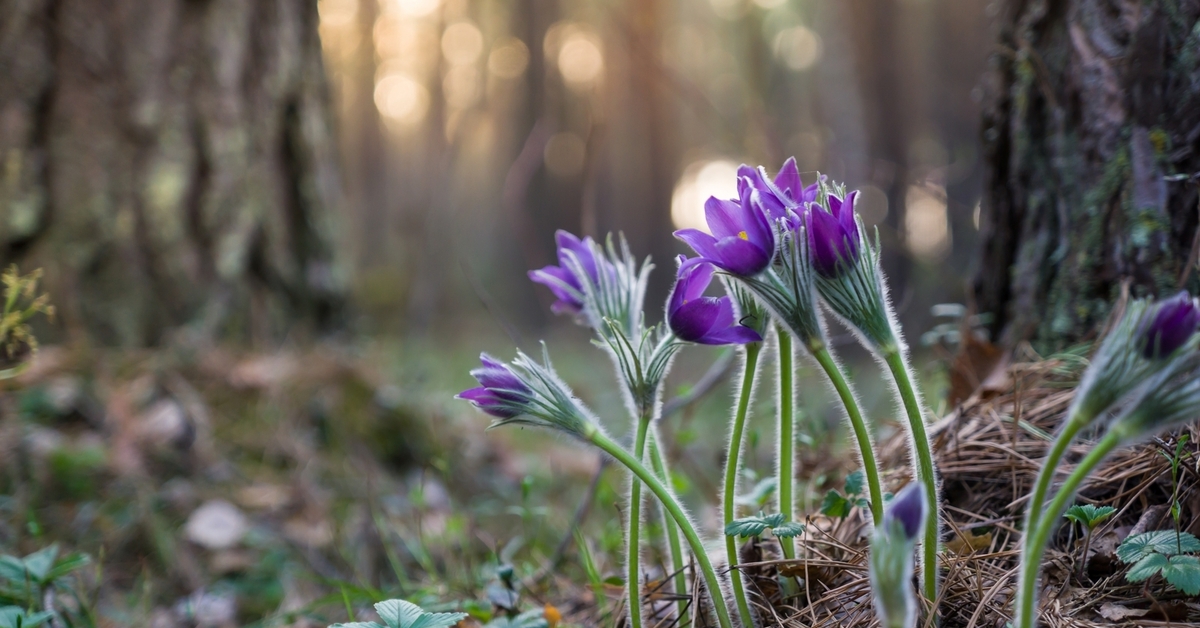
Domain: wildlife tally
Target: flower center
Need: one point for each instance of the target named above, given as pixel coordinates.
(742, 235)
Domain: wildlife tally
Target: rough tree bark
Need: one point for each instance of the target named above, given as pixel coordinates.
(1091, 144)
(169, 162)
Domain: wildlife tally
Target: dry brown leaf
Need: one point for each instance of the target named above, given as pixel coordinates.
(1116, 612)
(968, 543)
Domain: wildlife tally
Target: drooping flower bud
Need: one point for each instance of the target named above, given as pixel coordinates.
(1171, 324)
(601, 285)
(528, 393)
(694, 317)
(833, 235)
(893, 546)
(742, 241)
(500, 392)
(565, 280)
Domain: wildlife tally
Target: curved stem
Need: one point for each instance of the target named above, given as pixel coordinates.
(732, 466)
(860, 430)
(1045, 477)
(671, 531)
(787, 438)
(633, 545)
(925, 473)
(668, 501)
(1035, 543)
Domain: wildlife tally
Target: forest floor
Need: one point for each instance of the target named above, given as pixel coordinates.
(224, 488)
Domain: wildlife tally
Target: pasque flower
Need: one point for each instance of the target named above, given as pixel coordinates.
(892, 552)
(742, 241)
(500, 392)
(784, 193)
(694, 317)
(1174, 322)
(833, 235)
(564, 280)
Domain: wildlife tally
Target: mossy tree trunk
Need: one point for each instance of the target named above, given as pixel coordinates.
(1091, 142)
(170, 163)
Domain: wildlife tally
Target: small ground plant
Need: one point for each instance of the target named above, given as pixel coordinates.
(1166, 552)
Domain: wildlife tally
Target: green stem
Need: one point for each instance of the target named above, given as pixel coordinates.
(731, 473)
(672, 532)
(1035, 545)
(787, 438)
(860, 430)
(668, 501)
(925, 473)
(633, 546)
(1049, 467)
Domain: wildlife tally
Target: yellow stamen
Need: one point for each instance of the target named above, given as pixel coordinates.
(742, 235)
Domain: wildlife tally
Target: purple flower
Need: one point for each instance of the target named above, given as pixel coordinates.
(909, 509)
(1174, 322)
(741, 243)
(784, 193)
(562, 279)
(500, 393)
(833, 235)
(694, 317)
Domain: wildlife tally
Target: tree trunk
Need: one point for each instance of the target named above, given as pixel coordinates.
(169, 162)
(1091, 137)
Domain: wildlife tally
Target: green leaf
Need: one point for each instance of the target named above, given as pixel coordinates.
(788, 530)
(12, 569)
(855, 482)
(1137, 547)
(747, 527)
(40, 562)
(535, 618)
(758, 495)
(834, 505)
(358, 624)
(438, 620)
(1146, 568)
(1183, 572)
(16, 617)
(67, 564)
(774, 520)
(1089, 515)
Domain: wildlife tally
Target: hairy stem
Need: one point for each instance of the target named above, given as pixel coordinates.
(1045, 477)
(787, 438)
(633, 545)
(1035, 542)
(925, 473)
(732, 466)
(671, 531)
(685, 525)
(860, 430)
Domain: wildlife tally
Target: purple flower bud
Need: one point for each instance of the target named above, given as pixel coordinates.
(833, 235)
(562, 279)
(694, 317)
(785, 193)
(909, 509)
(742, 241)
(500, 392)
(1174, 322)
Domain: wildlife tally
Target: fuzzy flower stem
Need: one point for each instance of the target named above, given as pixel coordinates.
(1037, 498)
(671, 531)
(597, 438)
(916, 422)
(787, 437)
(633, 548)
(731, 472)
(860, 430)
(1035, 543)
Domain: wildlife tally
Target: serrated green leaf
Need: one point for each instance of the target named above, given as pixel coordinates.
(398, 613)
(358, 624)
(773, 520)
(759, 494)
(788, 530)
(1183, 572)
(41, 562)
(834, 505)
(855, 482)
(438, 620)
(1146, 567)
(1165, 542)
(535, 618)
(1089, 515)
(747, 527)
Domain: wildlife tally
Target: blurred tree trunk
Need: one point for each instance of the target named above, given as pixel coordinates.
(170, 163)
(1091, 138)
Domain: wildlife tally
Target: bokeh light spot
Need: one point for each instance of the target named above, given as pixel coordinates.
(337, 12)
(580, 59)
(414, 8)
(700, 180)
(508, 59)
(798, 47)
(401, 99)
(462, 43)
(925, 223)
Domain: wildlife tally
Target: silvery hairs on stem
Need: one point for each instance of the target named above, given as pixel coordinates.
(858, 294)
(893, 545)
(642, 364)
(617, 293)
(1172, 396)
(787, 288)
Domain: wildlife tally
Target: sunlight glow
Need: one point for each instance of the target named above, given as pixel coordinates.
(580, 59)
(508, 59)
(414, 8)
(926, 224)
(462, 43)
(798, 47)
(401, 99)
(699, 181)
(337, 12)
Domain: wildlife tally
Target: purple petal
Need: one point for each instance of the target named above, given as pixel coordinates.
(487, 401)
(788, 179)
(553, 278)
(740, 257)
(736, 335)
(723, 217)
(909, 509)
(1174, 322)
(703, 244)
(823, 233)
(693, 320)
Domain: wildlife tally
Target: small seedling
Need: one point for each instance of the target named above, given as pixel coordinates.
(402, 614)
(16, 617)
(1088, 517)
(1166, 552)
(747, 527)
(839, 505)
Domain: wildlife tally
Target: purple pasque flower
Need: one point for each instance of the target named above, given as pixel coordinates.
(909, 509)
(742, 241)
(563, 280)
(784, 193)
(500, 392)
(833, 235)
(1174, 322)
(694, 317)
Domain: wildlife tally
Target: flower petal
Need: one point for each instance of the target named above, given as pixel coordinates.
(724, 219)
(788, 179)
